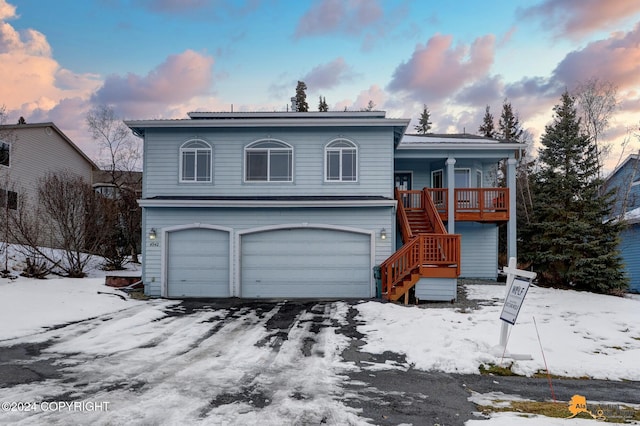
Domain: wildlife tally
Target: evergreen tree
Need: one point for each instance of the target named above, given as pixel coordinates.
(487, 128)
(509, 127)
(370, 106)
(568, 241)
(424, 125)
(322, 106)
(301, 97)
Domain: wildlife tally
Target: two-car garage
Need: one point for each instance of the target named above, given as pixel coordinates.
(285, 261)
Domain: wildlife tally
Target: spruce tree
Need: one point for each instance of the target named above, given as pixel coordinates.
(322, 105)
(487, 128)
(568, 241)
(301, 97)
(509, 127)
(424, 125)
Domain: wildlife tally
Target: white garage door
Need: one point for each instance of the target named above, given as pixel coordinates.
(198, 263)
(306, 262)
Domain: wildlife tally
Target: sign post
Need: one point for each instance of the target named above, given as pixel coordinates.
(518, 282)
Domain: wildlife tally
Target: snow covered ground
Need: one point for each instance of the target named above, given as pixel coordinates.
(155, 364)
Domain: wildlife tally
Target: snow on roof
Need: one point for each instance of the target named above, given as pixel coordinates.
(632, 216)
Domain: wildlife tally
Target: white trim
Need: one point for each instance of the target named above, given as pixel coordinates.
(481, 174)
(164, 252)
(433, 172)
(184, 149)
(402, 172)
(267, 203)
(268, 150)
(309, 120)
(468, 169)
(238, 247)
(340, 150)
(8, 166)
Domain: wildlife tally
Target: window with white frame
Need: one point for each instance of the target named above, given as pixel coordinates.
(341, 161)
(462, 178)
(195, 161)
(268, 160)
(437, 180)
(5, 154)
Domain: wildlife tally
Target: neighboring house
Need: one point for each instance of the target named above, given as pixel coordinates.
(110, 183)
(625, 182)
(294, 205)
(28, 152)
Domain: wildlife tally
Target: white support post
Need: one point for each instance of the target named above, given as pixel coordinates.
(451, 195)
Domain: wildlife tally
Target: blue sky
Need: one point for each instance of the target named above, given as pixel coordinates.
(164, 58)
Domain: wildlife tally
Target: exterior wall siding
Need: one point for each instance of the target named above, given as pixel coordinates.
(375, 162)
(36, 152)
(479, 250)
(372, 219)
(437, 289)
(626, 184)
(630, 250)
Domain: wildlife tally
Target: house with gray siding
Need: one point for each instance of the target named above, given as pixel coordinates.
(28, 152)
(316, 204)
(624, 181)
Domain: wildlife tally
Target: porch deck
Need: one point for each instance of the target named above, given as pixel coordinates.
(429, 251)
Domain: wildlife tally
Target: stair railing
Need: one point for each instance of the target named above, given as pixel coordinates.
(401, 214)
(400, 265)
(432, 213)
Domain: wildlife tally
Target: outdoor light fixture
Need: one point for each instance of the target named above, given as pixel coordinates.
(152, 234)
(383, 234)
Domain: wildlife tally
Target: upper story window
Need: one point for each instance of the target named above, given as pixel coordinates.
(5, 154)
(268, 161)
(195, 161)
(341, 161)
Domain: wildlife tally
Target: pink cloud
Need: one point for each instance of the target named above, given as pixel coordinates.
(32, 79)
(616, 59)
(328, 75)
(7, 11)
(439, 69)
(344, 16)
(578, 17)
(29, 41)
(178, 79)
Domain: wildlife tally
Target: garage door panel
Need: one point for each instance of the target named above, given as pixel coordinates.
(198, 263)
(306, 262)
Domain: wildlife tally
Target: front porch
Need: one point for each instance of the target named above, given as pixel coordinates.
(429, 250)
(470, 204)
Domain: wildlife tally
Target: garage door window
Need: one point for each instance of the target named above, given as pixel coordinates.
(269, 161)
(195, 161)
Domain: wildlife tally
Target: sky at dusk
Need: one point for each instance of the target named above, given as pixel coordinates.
(164, 58)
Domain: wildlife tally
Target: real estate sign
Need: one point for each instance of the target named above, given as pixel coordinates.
(513, 300)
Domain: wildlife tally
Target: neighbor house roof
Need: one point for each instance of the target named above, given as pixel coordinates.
(622, 165)
(58, 131)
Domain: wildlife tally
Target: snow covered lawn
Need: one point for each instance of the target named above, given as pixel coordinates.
(581, 334)
(162, 362)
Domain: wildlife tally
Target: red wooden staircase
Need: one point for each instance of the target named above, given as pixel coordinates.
(428, 250)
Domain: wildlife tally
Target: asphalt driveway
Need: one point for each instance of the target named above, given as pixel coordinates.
(240, 362)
